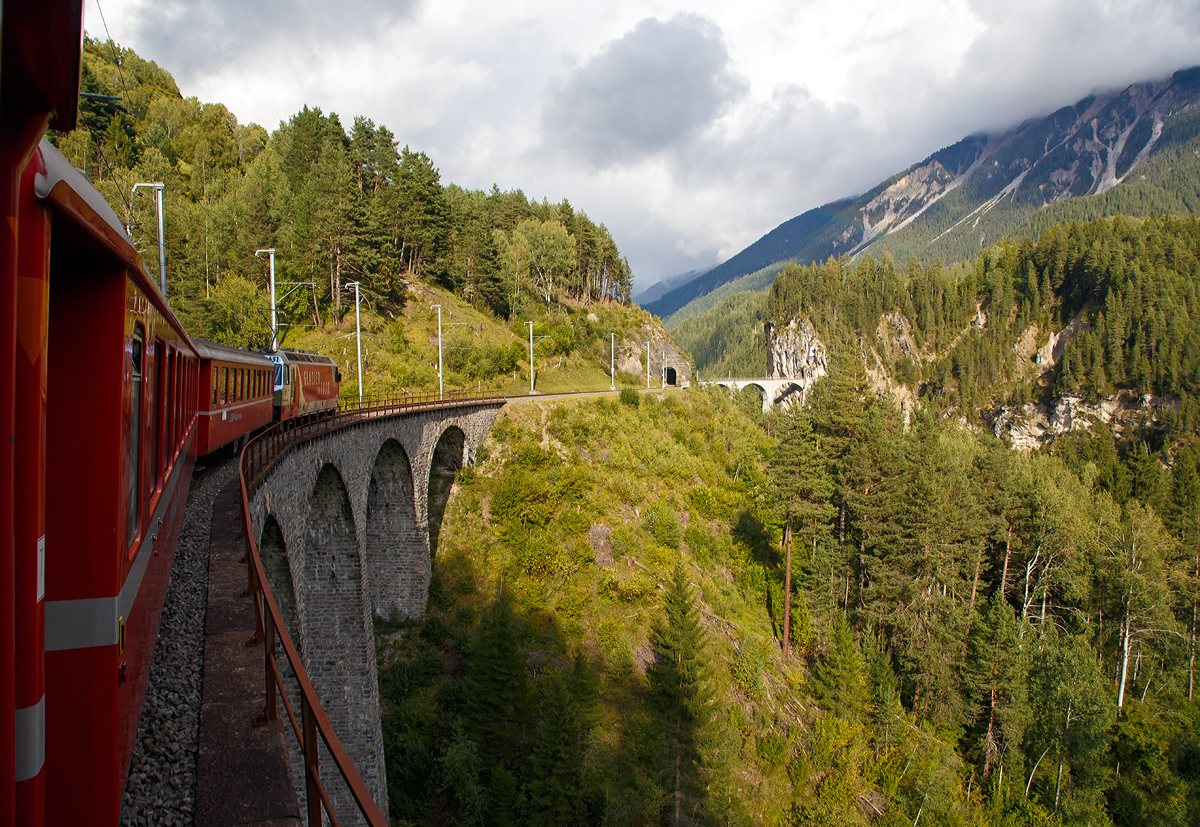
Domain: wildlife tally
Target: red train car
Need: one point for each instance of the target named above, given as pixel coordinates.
(98, 383)
(115, 491)
(305, 383)
(237, 397)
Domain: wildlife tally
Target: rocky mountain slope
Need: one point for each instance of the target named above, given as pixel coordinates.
(1134, 151)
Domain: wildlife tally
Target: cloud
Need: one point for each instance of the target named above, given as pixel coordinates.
(197, 36)
(652, 89)
(690, 127)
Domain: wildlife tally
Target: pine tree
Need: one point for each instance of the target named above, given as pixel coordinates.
(680, 686)
(496, 683)
(802, 489)
(995, 679)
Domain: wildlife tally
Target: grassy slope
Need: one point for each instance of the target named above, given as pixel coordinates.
(400, 348)
(608, 498)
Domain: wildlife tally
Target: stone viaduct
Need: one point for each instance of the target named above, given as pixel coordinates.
(348, 524)
(774, 391)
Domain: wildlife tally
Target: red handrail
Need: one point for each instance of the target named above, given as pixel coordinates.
(257, 459)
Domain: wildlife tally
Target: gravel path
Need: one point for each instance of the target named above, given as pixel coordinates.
(161, 787)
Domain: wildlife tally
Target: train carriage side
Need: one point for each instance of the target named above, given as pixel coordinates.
(120, 446)
(235, 395)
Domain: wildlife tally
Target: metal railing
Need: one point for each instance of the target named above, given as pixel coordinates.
(259, 456)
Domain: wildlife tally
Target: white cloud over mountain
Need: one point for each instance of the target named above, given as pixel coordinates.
(689, 130)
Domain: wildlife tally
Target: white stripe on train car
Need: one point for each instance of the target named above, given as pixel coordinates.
(259, 401)
(31, 740)
(93, 621)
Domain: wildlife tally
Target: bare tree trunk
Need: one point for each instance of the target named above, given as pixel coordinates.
(842, 531)
(787, 590)
(862, 585)
(1007, 557)
(989, 738)
(335, 282)
(1192, 653)
(1125, 636)
(971, 608)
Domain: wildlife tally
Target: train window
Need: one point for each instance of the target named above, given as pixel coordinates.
(216, 376)
(156, 395)
(241, 384)
(176, 417)
(224, 385)
(168, 435)
(135, 431)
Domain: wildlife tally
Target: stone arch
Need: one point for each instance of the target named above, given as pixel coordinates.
(672, 377)
(272, 550)
(397, 568)
(762, 394)
(448, 457)
(790, 393)
(336, 629)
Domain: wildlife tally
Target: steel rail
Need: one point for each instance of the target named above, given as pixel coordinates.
(259, 456)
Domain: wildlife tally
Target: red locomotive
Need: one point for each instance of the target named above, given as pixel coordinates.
(305, 383)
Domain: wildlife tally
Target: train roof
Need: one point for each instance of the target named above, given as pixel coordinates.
(300, 356)
(217, 352)
(85, 219)
(103, 220)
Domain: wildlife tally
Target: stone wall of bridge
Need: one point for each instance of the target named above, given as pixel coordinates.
(345, 522)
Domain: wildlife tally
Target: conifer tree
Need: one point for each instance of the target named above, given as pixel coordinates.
(840, 681)
(497, 686)
(995, 678)
(801, 489)
(680, 686)
(556, 787)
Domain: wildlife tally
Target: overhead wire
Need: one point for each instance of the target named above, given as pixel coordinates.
(113, 47)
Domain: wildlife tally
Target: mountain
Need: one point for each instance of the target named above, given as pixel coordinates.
(660, 288)
(1133, 151)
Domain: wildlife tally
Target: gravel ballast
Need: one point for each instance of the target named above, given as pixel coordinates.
(161, 785)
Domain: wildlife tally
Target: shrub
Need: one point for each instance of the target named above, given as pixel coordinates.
(479, 360)
(630, 397)
(700, 542)
(662, 522)
(747, 669)
(434, 630)
(772, 750)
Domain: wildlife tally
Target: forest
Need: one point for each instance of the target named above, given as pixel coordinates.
(337, 205)
(1130, 285)
(974, 635)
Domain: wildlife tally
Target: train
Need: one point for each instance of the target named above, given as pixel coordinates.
(107, 403)
(247, 390)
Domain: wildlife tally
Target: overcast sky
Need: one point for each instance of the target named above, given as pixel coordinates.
(689, 129)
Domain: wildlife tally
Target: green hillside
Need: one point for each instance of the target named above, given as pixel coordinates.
(977, 636)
